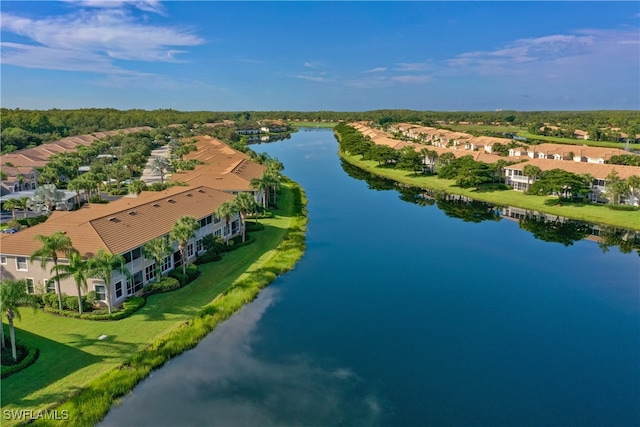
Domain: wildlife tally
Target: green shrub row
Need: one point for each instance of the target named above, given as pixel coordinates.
(166, 284)
(32, 356)
(89, 406)
(130, 306)
(184, 279)
(69, 302)
(31, 221)
(623, 207)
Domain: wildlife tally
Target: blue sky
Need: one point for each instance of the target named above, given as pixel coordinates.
(308, 56)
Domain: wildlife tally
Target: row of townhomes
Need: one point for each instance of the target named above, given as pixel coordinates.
(577, 159)
(21, 167)
(124, 226)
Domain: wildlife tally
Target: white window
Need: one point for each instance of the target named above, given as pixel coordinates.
(150, 272)
(21, 263)
(3, 260)
(118, 290)
(199, 246)
(51, 285)
(101, 292)
(218, 232)
(166, 264)
(190, 250)
(30, 288)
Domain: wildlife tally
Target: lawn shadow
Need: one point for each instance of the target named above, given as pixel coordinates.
(55, 362)
(565, 203)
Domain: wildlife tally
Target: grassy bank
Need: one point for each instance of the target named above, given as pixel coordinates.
(313, 124)
(84, 376)
(581, 211)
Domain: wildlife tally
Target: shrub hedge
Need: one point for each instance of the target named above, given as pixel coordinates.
(130, 306)
(29, 359)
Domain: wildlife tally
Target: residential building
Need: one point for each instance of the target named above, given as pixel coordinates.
(120, 227)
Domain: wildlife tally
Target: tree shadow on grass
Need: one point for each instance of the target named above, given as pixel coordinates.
(56, 361)
(566, 203)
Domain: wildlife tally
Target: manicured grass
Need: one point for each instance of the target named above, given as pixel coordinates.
(72, 360)
(581, 211)
(553, 139)
(314, 124)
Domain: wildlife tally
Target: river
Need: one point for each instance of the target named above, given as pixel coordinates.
(401, 314)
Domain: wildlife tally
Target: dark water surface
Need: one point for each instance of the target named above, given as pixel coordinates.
(399, 315)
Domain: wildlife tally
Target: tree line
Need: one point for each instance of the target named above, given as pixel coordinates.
(27, 128)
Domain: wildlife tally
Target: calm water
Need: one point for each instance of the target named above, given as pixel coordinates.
(399, 315)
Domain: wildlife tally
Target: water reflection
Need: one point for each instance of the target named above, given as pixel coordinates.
(546, 227)
(225, 382)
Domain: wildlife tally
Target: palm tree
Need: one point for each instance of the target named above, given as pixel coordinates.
(244, 203)
(137, 186)
(157, 249)
(531, 171)
(226, 211)
(13, 294)
(52, 245)
(12, 205)
(23, 204)
(78, 268)
(102, 265)
(262, 186)
(183, 230)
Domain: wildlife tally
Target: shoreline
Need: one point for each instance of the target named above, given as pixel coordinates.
(588, 213)
(88, 403)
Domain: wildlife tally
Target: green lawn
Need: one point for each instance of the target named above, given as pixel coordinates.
(314, 124)
(585, 212)
(520, 131)
(70, 354)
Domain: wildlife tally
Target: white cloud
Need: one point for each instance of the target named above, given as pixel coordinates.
(144, 5)
(91, 40)
(376, 70)
(412, 66)
(408, 78)
(542, 54)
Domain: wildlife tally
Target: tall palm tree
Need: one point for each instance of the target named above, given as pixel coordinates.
(262, 186)
(23, 204)
(157, 249)
(12, 205)
(531, 172)
(57, 243)
(245, 203)
(78, 268)
(102, 265)
(225, 211)
(13, 294)
(183, 230)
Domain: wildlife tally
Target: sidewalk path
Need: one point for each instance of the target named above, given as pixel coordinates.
(148, 176)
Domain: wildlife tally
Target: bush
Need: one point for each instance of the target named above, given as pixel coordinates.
(50, 299)
(177, 274)
(70, 302)
(31, 221)
(192, 271)
(26, 357)
(208, 257)
(91, 298)
(623, 208)
(97, 199)
(116, 192)
(166, 284)
(130, 306)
